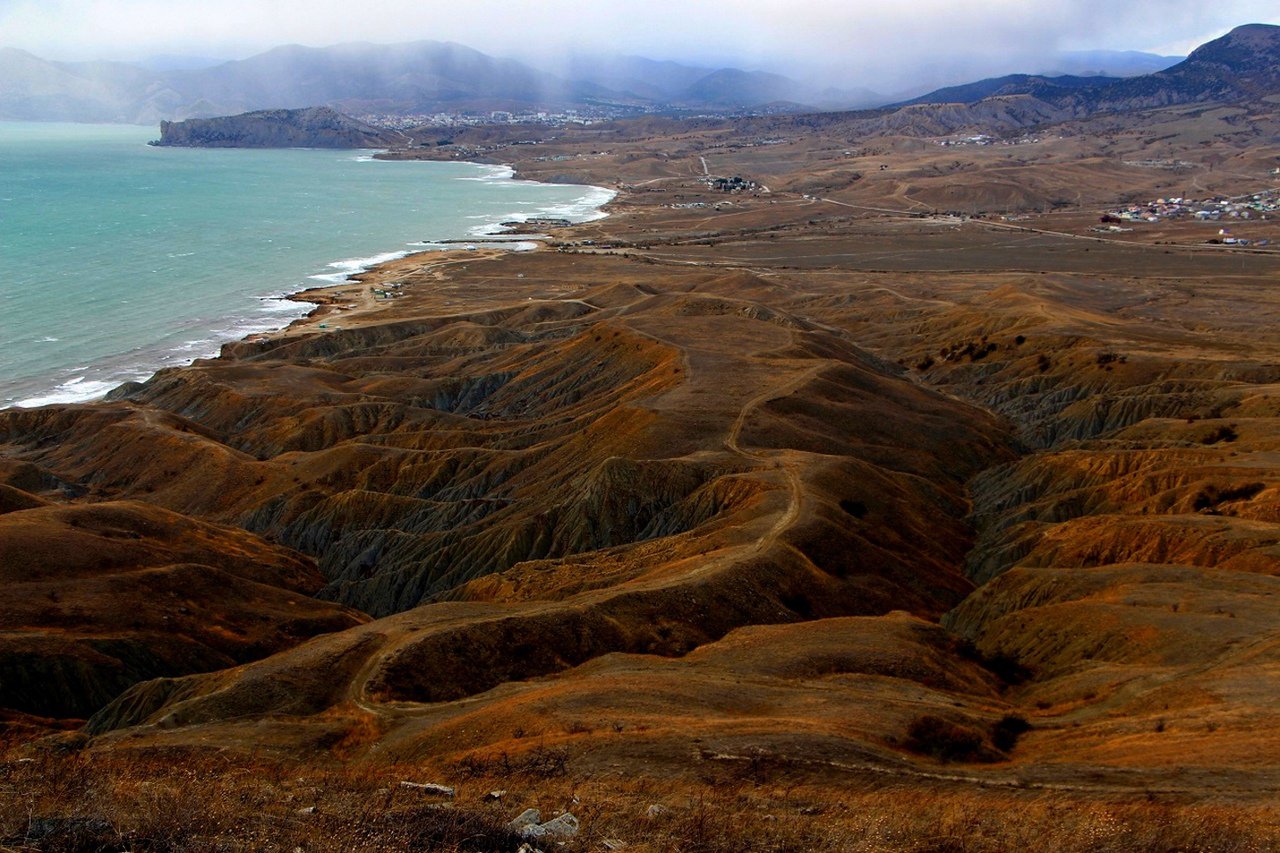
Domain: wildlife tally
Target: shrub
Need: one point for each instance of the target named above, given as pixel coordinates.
(1005, 733)
(945, 740)
(1225, 432)
(1210, 496)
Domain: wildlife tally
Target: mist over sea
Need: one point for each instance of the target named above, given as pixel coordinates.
(117, 259)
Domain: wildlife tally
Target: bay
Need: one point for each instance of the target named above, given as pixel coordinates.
(117, 258)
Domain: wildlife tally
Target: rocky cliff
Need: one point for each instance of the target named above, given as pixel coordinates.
(317, 127)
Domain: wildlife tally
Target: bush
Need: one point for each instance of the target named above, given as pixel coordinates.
(1225, 432)
(1210, 496)
(945, 740)
(1105, 358)
(1005, 733)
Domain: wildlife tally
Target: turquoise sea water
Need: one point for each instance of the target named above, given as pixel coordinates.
(117, 258)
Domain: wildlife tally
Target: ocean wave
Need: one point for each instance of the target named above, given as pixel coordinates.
(280, 305)
(78, 389)
(491, 228)
(585, 208)
(354, 266)
(492, 174)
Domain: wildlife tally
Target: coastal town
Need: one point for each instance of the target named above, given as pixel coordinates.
(556, 118)
(584, 115)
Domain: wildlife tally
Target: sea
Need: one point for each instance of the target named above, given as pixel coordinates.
(118, 258)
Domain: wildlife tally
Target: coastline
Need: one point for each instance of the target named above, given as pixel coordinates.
(349, 291)
(358, 297)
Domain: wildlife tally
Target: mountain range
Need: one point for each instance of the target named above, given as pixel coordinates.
(417, 78)
(1109, 63)
(1240, 67)
(402, 79)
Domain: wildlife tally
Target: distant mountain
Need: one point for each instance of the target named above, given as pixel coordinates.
(634, 76)
(316, 127)
(695, 86)
(174, 62)
(730, 87)
(1010, 84)
(404, 78)
(1243, 65)
(35, 89)
(1109, 63)
(1241, 68)
(428, 77)
(412, 78)
(419, 77)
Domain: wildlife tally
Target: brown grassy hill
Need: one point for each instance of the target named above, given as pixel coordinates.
(642, 476)
(407, 468)
(101, 596)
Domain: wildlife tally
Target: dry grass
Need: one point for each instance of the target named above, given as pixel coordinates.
(216, 801)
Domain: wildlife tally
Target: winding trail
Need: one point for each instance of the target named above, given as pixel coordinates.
(777, 460)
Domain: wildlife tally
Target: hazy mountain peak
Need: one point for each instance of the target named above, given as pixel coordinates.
(1109, 63)
(1251, 47)
(165, 62)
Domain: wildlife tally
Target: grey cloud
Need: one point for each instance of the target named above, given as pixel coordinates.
(853, 43)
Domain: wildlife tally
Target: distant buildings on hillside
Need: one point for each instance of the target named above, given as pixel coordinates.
(1259, 206)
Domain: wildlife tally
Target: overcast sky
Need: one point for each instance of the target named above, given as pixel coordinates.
(862, 43)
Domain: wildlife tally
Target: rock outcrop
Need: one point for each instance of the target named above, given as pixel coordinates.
(317, 127)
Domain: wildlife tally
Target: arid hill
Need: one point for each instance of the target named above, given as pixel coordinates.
(101, 596)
